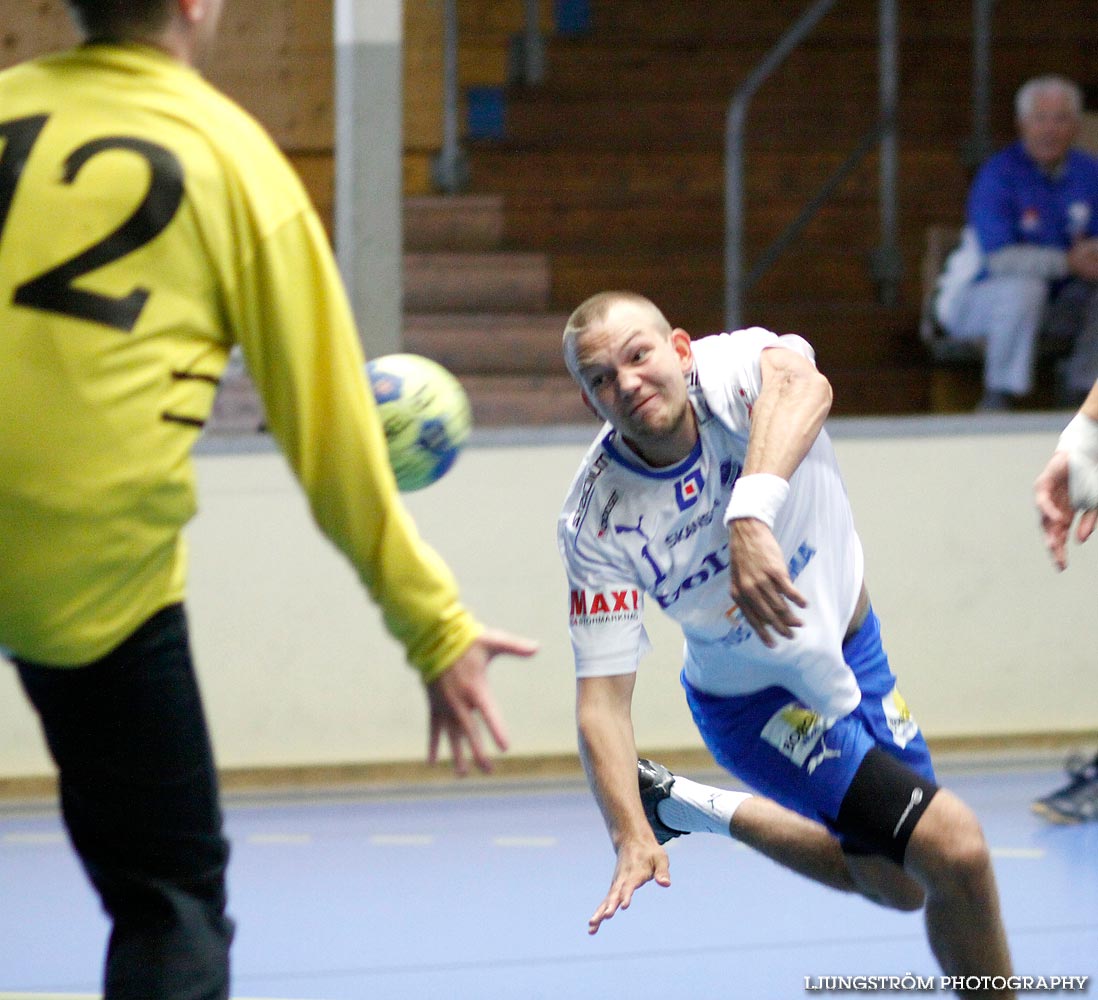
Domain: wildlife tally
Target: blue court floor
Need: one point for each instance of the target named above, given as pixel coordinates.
(483, 893)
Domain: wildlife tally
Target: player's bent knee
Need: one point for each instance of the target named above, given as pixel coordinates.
(948, 846)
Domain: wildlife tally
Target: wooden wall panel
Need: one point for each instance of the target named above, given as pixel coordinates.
(275, 57)
(499, 19)
(416, 170)
(422, 75)
(33, 29)
(317, 172)
(272, 56)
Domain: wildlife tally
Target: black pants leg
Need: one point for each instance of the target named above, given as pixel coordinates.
(140, 800)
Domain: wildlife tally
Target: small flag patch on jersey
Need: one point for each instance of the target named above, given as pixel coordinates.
(688, 489)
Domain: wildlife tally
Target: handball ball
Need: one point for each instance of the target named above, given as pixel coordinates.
(425, 413)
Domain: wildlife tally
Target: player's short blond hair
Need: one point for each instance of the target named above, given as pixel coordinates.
(593, 311)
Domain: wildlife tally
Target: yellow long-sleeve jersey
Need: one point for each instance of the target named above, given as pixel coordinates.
(148, 224)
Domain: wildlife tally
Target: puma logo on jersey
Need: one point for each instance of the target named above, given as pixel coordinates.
(826, 753)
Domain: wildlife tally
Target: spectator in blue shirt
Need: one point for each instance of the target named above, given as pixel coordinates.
(1027, 265)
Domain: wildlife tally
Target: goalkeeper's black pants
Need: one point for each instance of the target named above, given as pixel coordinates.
(139, 797)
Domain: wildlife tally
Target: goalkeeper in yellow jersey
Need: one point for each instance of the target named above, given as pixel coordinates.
(186, 233)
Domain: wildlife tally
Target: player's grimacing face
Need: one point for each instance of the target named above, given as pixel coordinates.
(634, 373)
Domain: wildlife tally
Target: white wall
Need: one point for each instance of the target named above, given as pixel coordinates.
(985, 637)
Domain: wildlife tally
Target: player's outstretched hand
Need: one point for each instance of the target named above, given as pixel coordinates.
(460, 698)
(637, 864)
(761, 585)
(1054, 505)
(1052, 495)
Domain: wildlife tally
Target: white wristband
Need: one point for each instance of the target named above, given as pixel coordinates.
(1080, 441)
(759, 495)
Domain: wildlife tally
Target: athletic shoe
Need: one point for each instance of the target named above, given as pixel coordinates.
(1078, 800)
(655, 786)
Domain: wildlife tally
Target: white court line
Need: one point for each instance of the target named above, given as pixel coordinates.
(402, 839)
(524, 841)
(1029, 853)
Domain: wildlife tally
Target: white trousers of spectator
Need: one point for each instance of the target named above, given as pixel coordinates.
(1006, 312)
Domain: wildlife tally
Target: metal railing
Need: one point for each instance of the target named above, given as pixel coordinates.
(450, 167)
(450, 170)
(529, 62)
(885, 259)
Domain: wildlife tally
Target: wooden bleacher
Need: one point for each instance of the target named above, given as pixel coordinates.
(611, 173)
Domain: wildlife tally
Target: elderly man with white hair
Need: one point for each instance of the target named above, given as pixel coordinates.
(1027, 265)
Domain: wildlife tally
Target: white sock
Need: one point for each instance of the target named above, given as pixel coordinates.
(697, 808)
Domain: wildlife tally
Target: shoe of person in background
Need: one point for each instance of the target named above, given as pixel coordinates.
(1077, 801)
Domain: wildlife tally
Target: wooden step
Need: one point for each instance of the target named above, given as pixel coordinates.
(577, 220)
(540, 401)
(841, 277)
(453, 222)
(615, 173)
(853, 21)
(547, 399)
(489, 343)
(844, 334)
(568, 221)
(516, 400)
(659, 73)
(604, 66)
(878, 389)
(733, 24)
(484, 19)
(684, 283)
(661, 172)
(607, 67)
(476, 281)
(539, 121)
(932, 191)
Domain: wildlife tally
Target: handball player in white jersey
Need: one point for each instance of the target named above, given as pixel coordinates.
(714, 493)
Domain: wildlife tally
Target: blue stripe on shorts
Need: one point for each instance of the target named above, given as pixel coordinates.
(786, 752)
